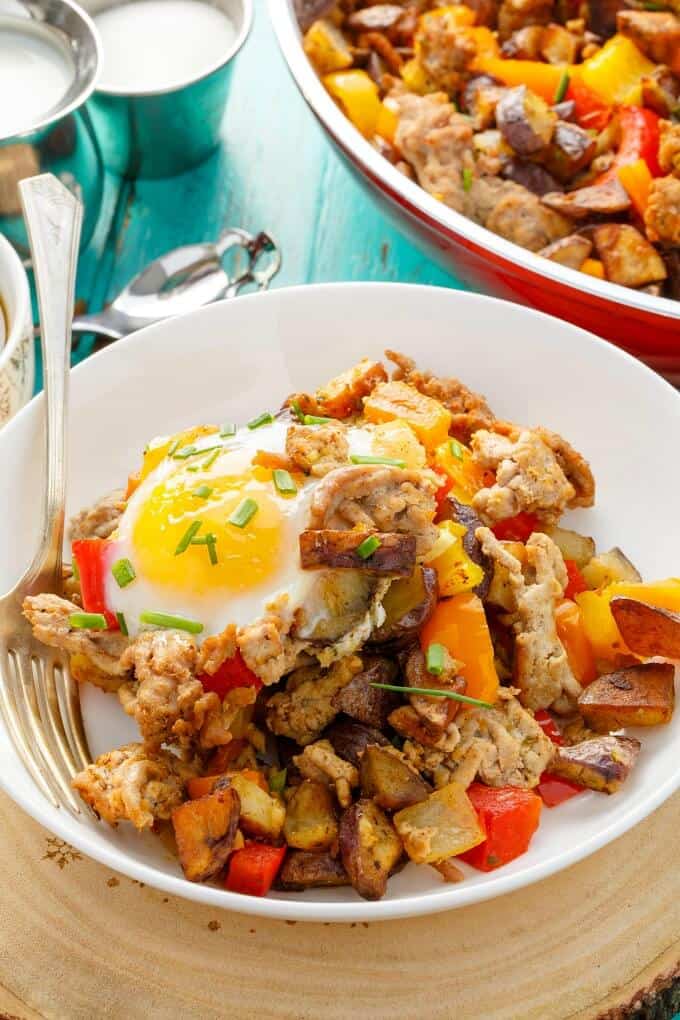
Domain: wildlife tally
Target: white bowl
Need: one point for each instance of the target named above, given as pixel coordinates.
(17, 353)
(231, 360)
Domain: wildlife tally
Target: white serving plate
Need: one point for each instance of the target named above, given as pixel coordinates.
(231, 360)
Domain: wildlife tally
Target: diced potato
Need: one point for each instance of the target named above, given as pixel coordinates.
(602, 763)
(627, 255)
(365, 703)
(388, 779)
(397, 439)
(607, 567)
(326, 47)
(427, 417)
(579, 548)
(647, 630)
(310, 817)
(350, 739)
(205, 830)
(408, 604)
(369, 848)
(261, 814)
(442, 826)
(636, 696)
(343, 395)
(304, 870)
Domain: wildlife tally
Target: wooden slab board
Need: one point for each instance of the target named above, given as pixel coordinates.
(78, 942)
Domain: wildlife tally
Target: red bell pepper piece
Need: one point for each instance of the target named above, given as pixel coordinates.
(547, 724)
(555, 790)
(232, 673)
(510, 817)
(94, 557)
(575, 583)
(516, 529)
(639, 140)
(590, 112)
(253, 869)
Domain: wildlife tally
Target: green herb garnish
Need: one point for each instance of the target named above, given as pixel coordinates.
(368, 547)
(170, 622)
(186, 539)
(122, 624)
(562, 87)
(209, 461)
(435, 658)
(124, 572)
(283, 482)
(433, 693)
(314, 419)
(88, 621)
(172, 450)
(227, 430)
(456, 449)
(202, 492)
(262, 419)
(277, 780)
(297, 410)
(243, 513)
(184, 453)
(361, 458)
(468, 178)
(209, 540)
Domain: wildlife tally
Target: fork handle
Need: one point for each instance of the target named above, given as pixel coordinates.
(53, 221)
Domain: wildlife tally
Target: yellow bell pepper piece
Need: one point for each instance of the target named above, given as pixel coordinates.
(415, 78)
(597, 619)
(427, 417)
(593, 267)
(456, 572)
(542, 79)
(387, 123)
(637, 180)
(455, 461)
(664, 594)
(326, 47)
(460, 625)
(357, 94)
(614, 70)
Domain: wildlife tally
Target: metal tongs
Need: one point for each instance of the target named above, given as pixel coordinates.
(184, 279)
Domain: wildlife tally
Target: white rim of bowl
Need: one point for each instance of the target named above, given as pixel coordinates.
(422, 205)
(301, 910)
(247, 8)
(22, 312)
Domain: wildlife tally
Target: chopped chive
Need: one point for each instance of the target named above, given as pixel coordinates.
(314, 419)
(202, 492)
(436, 654)
(283, 482)
(226, 430)
(170, 622)
(194, 467)
(185, 452)
(262, 419)
(122, 624)
(277, 780)
(174, 447)
(124, 572)
(456, 449)
(434, 693)
(87, 621)
(562, 87)
(75, 571)
(209, 461)
(209, 540)
(185, 540)
(243, 513)
(468, 178)
(360, 458)
(368, 547)
(297, 410)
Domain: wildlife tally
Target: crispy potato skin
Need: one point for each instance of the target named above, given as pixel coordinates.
(526, 121)
(394, 557)
(627, 256)
(305, 870)
(368, 704)
(602, 763)
(569, 251)
(369, 848)
(408, 605)
(647, 630)
(310, 817)
(205, 831)
(350, 739)
(636, 696)
(389, 780)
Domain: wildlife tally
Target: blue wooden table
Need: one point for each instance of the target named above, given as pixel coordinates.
(275, 171)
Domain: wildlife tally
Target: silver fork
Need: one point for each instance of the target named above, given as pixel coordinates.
(38, 697)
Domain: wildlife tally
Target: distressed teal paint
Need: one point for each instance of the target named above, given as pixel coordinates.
(275, 171)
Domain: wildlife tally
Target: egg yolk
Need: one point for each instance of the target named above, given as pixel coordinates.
(246, 556)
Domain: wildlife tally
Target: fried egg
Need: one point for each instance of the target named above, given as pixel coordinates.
(211, 538)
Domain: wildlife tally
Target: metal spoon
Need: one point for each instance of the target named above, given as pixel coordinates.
(182, 280)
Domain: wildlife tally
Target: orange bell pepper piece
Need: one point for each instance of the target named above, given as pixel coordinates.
(465, 478)
(510, 817)
(460, 625)
(637, 180)
(571, 633)
(593, 267)
(429, 419)
(200, 786)
(542, 79)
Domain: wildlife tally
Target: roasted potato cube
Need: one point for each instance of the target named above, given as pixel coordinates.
(570, 150)
(647, 630)
(579, 548)
(571, 251)
(350, 739)
(310, 817)
(390, 780)
(408, 604)
(607, 567)
(636, 696)
(394, 556)
(368, 704)
(442, 826)
(607, 198)
(369, 848)
(205, 831)
(343, 395)
(655, 33)
(524, 43)
(305, 870)
(628, 257)
(525, 120)
(558, 45)
(602, 763)
(327, 48)
(261, 814)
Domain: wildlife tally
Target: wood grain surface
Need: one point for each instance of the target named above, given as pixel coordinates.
(79, 942)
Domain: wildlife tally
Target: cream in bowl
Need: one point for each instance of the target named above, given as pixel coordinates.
(17, 356)
(35, 70)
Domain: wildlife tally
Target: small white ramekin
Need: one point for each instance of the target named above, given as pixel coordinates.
(17, 354)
